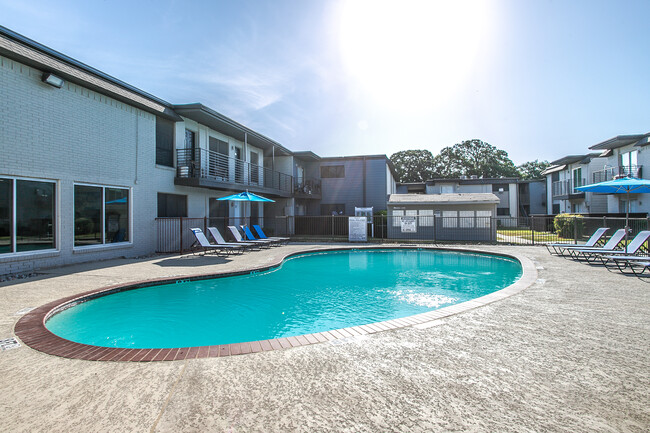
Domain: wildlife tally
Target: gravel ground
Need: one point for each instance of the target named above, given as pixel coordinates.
(568, 354)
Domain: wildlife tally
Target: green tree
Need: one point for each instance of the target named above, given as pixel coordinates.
(413, 165)
(473, 157)
(532, 169)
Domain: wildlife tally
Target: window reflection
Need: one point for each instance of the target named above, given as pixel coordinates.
(87, 215)
(117, 215)
(6, 213)
(34, 215)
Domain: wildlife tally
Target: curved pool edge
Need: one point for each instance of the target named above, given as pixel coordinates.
(31, 329)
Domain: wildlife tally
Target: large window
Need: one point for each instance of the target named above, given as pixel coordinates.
(449, 218)
(101, 215)
(629, 163)
(426, 217)
(577, 179)
(483, 219)
(172, 205)
(164, 142)
(397, 217)
(466, 218)
(27, 215)
(332, 171)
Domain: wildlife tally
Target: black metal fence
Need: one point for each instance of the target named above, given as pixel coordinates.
(174, 235)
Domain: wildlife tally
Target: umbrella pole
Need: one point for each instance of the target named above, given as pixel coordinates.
(627, 219)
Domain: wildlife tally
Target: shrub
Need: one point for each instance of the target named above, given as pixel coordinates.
(84, 226)
(565, 223)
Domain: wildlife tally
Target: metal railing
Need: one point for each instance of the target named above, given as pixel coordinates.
(566, 187)
(174, 235)
(308, 188)
(206, 164)
(610, 173)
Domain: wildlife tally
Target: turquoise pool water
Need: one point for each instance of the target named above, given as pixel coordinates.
(308, 293)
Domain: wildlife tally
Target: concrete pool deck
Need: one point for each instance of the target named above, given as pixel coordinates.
(570, 353)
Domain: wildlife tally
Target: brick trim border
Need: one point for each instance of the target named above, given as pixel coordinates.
(32, 331)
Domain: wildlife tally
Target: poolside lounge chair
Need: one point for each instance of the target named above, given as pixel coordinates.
(216, 235)
(238, 238)
(205, 245)
(249, 236)
(592, 254)
(558, 248)
(614, 240)
(637, 264)
(261, 235)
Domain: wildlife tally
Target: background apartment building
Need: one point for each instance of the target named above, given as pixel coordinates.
(623, 155)
(517, 198)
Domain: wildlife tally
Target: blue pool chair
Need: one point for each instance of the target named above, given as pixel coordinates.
(251, 237)
(238, 238)
(261, 234)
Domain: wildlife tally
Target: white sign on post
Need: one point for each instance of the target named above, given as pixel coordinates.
(357, 229)
(408, 224)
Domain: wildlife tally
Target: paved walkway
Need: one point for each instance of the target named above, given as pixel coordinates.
(568, 354)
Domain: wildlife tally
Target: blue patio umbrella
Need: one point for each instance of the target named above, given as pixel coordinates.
(623, 185)
(246, 196)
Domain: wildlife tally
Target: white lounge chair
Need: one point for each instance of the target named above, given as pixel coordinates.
(216, 235)
(637, 264)
(610, 245)
(205, 245)
(238, 238)
(559, 248)
(592, 254)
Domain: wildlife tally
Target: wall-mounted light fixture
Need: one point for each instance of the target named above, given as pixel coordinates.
(52, 80)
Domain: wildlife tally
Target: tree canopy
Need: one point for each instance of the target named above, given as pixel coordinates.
(532, 169)
(413, 165)
(473, 157)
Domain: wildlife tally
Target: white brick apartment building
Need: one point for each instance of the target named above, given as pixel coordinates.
(89, 162)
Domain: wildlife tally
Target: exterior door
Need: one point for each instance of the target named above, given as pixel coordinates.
(219, 213)
(218, 160)
(239, 166)
(255, 168)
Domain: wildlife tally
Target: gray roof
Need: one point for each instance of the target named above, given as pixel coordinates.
(463, 198)
(572, 159)
(473, 181)
(553, 169)
(622, 140)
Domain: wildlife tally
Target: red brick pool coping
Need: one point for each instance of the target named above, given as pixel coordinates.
(32, 331)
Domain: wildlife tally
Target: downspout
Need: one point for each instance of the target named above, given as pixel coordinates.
(364, 181)
(137, 136)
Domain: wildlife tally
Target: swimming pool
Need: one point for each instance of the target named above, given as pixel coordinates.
(306, 294)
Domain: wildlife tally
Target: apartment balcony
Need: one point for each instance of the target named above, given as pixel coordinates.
(565, 189)
(206, 169)
(308, 188)
(611, 173)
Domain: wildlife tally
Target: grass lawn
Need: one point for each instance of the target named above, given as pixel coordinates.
(528, 235)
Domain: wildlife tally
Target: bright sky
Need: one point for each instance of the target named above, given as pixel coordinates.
(540, 79)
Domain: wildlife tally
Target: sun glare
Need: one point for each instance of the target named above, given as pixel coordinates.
(411, 54)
